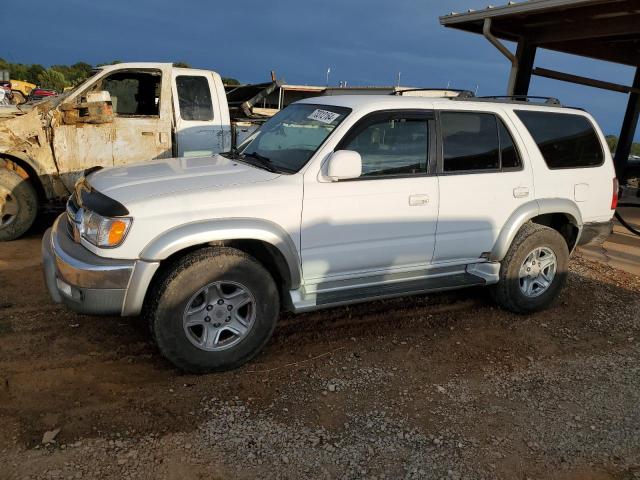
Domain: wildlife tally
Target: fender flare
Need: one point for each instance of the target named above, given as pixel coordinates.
(202, 232)
(526, 212)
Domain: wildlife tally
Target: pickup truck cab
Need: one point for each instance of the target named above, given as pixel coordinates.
(122, 114)
(335, 200)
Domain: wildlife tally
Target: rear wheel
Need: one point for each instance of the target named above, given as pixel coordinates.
(18, 205)
(534, 270)
(18, 97)
(214, 310)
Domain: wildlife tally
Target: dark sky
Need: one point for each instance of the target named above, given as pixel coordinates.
(365, 42)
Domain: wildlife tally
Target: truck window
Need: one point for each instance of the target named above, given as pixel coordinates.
(509, 157)
(290, 138)
(390, 144)
(565, 140)
(133, 93)
(469, 141)
(194, 98)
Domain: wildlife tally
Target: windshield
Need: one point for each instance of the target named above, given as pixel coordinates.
(289, 139)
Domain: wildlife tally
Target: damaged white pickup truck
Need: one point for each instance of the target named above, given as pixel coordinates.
(335, 200)
(122, 114)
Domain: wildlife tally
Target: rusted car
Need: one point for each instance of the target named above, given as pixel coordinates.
(123, 113)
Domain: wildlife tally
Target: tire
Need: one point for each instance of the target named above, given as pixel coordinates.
(223, 269)
(508, 292)
(18, 97)
(18, 205)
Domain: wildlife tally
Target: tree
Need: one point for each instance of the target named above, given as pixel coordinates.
(52, 79)
(230, 81)
(33, 72)
(181, 65)
(612, 141)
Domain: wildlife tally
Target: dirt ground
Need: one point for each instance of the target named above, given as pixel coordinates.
(442, 386)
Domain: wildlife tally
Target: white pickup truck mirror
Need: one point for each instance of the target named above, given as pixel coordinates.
(344, 164)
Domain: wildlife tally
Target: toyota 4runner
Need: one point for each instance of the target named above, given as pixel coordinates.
(335, 200)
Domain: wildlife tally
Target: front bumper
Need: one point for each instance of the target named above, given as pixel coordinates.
(81, 280)
(595, 233)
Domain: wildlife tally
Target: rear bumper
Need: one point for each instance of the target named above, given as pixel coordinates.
(81, 280)
(595, 233)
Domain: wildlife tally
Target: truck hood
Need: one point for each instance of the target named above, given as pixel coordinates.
(173, 176)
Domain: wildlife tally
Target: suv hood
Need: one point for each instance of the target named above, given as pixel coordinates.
(168, 177)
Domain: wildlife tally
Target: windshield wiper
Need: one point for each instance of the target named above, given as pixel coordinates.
(262, 161)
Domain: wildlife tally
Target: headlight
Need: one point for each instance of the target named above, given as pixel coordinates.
(102, 231)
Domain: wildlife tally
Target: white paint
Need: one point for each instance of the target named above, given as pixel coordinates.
(350, 229)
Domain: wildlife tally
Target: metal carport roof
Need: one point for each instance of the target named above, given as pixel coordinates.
(601, 29)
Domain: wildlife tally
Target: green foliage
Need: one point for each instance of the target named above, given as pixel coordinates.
(612, 141)
(59, 77)
(52, 79)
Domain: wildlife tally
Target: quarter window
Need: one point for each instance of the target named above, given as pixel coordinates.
(391, 144)
(564, 140)
(194, 98)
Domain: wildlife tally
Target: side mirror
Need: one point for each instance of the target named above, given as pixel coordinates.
(344, 164)
(96, 108)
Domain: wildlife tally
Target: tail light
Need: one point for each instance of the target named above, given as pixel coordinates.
(614, 197)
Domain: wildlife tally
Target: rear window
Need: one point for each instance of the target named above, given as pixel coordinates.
(565, 140)
(194, 98)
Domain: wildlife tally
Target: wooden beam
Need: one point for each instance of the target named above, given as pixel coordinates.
(589, 82)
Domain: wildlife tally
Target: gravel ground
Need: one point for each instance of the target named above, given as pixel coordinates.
(446, 386)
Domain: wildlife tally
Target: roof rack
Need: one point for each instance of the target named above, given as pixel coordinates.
(461, 93)
(518, 99)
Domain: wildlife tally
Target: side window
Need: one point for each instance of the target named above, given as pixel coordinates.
(469, 141)
(133, 93)
(509, 158)
(565, 140)
(391, 144)
(194, 98)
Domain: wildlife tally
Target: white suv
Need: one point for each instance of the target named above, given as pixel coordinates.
(335, 200)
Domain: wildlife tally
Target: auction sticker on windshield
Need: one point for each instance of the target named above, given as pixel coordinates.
(324, 116)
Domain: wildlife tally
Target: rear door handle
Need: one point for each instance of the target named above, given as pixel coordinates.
(418, 199)
(521, 192)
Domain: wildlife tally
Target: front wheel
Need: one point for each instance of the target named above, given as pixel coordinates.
(18, 205)
(214, 310)
(534, 270)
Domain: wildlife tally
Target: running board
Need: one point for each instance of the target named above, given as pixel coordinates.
(399, 289)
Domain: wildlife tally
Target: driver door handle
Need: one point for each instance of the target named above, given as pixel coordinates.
(418, 199)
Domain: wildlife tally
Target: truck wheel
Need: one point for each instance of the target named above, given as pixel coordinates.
(18, 97)
(534, 270)
(18, 205)
(213, 310)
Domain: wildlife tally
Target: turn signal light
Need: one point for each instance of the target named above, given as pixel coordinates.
(116, 232)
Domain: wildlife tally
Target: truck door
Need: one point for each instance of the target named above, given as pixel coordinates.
(197, 115)
(142, 114)
(140, 129)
